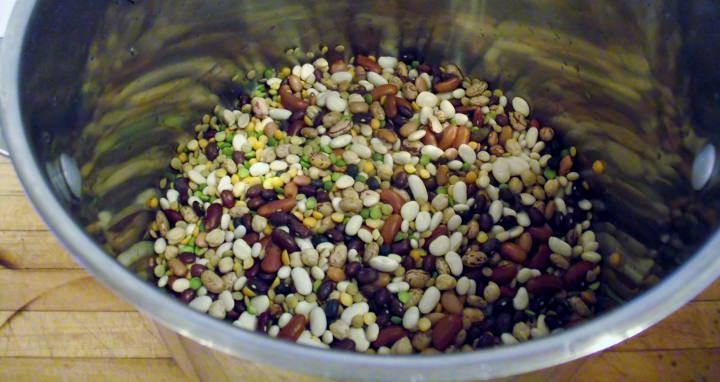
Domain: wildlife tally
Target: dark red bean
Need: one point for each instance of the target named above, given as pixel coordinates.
(212, 217)
(254, 192)
(211, 151)
(253, 271)
(428, 263)
(182, 186)
(537, 217)
(228, 199)
(173, 216)
(255, 203)
(197, 269)
(504, 274)
(540, 258)
(345, 344)
(187, 257)
(280, 218)
(269, 195)
(352, 269)
(445, 331)
(293, 329)
(238, 157)
(187, 295)
(367, 276)
(544, 285)
(299, 229)
(541, 234)
(576, 274)
(389, 335)
(284, 240)
(263, 322)
(251, 238)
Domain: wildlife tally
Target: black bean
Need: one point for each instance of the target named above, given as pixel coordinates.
(362, 117)
(486, 340)
(209, 133)
(490, 246)
(400, 179)
(263, 322)
(322, 196)
(173, 216)
(382, 297)
(503, 323)
(253, 192)
(508, 222)
(399, 119)
(408, 263)
(326, 287)
(506, 195)
(331, 309)
(346, 344)
(269, 195)
(355, 243)
(373, 183)
(284, 240)
(430, 184)
(428, 263)
(308, 190)
(537, 218)
(352, 269)
(283, 288)
(232, 315)
(258, 286)
(255, 203)
(396, 307)
(280, 218)
(182, 186)
(385, 250)
(267, 277)
(213, 215)
(211, 151)
(366, 276)
(187, 257)
(485, 222)
(401, 247)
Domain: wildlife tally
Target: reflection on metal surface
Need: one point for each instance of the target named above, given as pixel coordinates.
(612, 76)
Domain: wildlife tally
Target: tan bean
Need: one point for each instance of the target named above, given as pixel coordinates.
(386, 135)
(291, 190)
(448, 137)
(525, 241)
(295, 83)
(429, 138)
(338, 66)
(461, 137)
(177, 267)
(451, 303)
(442, 176)
(565, 165)
(336, 274)
(302, 180)
(408, 128)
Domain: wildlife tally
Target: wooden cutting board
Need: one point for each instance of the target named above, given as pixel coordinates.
(58, 324)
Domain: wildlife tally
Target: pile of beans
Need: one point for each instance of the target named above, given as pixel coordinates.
(379, 205)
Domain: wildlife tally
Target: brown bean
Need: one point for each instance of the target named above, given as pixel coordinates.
(390, 106)
(445, 330)
(338, 66)
(576, 274)
(408, 128)
(293, 329)
(565, 165)
(302, 180)
(513, 252)
(212, 217)
(212, 281)
(295, 83)
(290, 101)
(367, 63)
(383, 90)
(505, 134)
(272, 260)
(540, 258)
(388, 335)
(525, 241)
(296, 128)
(544, 284)
(284, 205)
(448, 137)
(290, 191)
(429, 138)
(442, 176)
(462, 137)
(392, 198)
(336, 274)
(228, 199)
(451, 303)
(448, 85)
(177, 267)
(386, 135)
(504, 274)
(391, 228)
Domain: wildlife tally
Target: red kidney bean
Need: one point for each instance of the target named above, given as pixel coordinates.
(513, 252)
(576, 273)
(284, 240)
(390, 106)
(173, 216)
(541, 234)
(445, 331)
(504, 274)
(540, 258)
(368, 63)
(290, 101)
(284, 205)
(478, 119)
(293, 329)
(212, 217)
(272, 260)
(544, 285)
(228, 199)
(389, 335)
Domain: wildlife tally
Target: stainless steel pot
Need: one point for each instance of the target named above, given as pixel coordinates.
(96, 94)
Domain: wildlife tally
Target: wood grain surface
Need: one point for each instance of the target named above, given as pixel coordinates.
(58, 324)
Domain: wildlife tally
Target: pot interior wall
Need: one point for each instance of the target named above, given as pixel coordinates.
(117, 85)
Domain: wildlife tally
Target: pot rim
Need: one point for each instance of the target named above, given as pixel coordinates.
(597, 334)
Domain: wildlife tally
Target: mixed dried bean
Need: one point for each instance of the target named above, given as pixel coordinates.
(378, 205)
